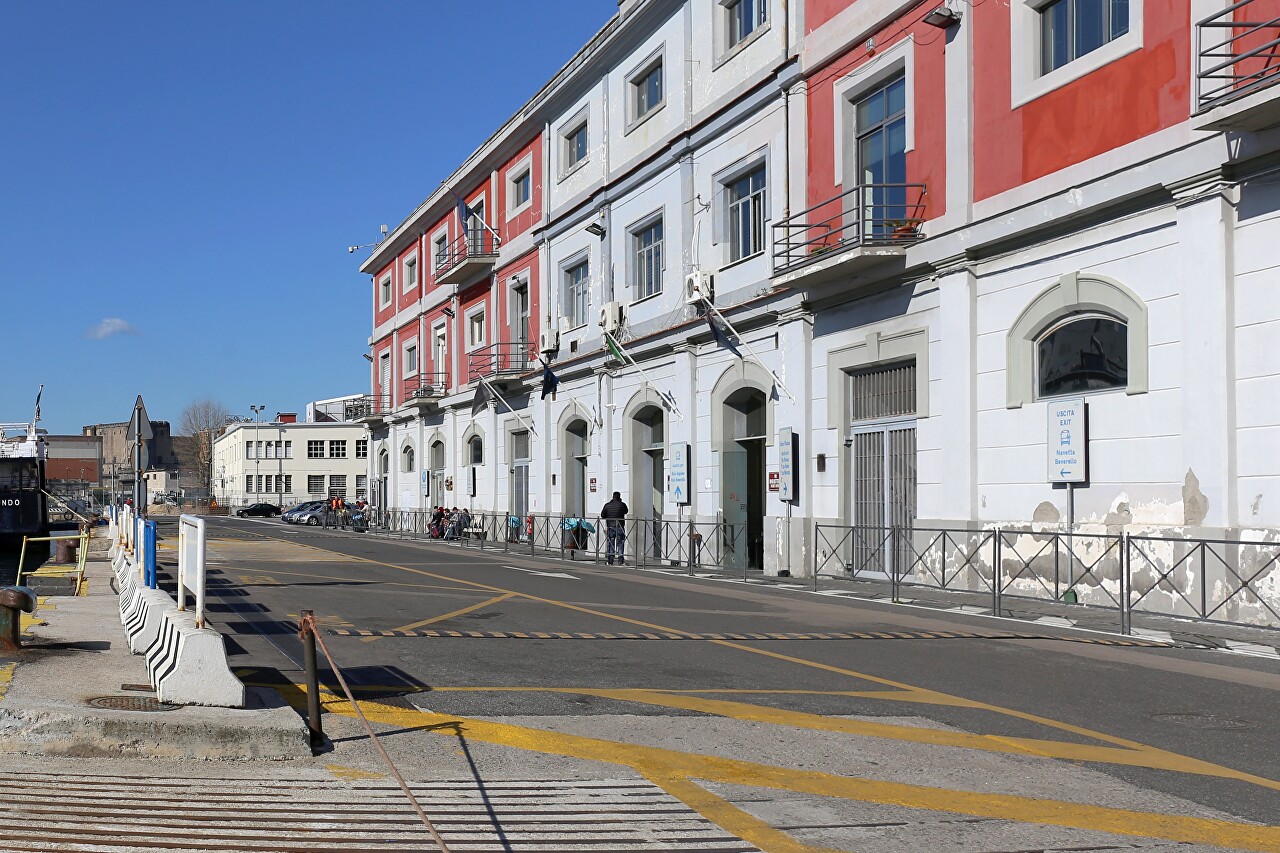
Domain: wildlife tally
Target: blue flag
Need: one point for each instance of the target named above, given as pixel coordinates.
(549, 381)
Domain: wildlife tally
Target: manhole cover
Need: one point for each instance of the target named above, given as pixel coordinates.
(132, 703)
(1204, 721)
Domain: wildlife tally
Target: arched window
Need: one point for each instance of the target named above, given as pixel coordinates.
(384, 463)
(1083, 353)
(1084, 333)
(406, 459)
(475, 450)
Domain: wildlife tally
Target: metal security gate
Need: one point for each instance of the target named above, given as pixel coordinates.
(883, 443)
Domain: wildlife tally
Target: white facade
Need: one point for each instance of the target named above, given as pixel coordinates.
(286, 463)
(1172, 235)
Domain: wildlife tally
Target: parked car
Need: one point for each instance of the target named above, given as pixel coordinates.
(313, 516)
(259, 511)
(290, 515)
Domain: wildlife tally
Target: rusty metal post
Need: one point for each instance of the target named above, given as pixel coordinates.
(12, 601)
(307, 629)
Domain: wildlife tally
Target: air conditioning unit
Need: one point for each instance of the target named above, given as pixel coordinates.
(699, 286)
(549, 341)
(611, 317)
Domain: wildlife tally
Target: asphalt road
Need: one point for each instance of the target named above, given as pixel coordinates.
(1150, 731)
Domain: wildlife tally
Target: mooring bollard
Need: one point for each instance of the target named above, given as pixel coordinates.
(14, 600)
(306, 629)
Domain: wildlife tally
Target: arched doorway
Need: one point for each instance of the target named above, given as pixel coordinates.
(384, 476)
(742, 476)
(574, 455)
(648, 486)
(437, 462)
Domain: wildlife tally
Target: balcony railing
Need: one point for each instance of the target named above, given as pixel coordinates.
(867, 215)
(368, 407)
(1237, 56)
(426, 386)
(498, 360)
(468, 254)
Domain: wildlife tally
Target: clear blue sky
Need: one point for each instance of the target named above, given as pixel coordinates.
(179, 183)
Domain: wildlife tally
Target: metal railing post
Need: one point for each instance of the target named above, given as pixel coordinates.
(996, 581)
(1126, 583)
(307, 628)
(1204, 584)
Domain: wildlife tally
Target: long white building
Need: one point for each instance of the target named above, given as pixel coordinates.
(285, 462)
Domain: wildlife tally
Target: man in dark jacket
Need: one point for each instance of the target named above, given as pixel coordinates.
(614, 515)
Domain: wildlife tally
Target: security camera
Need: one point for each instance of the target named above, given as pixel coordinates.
(351, 250)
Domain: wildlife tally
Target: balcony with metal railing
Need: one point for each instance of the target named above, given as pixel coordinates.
(371, 409)
(470, 255)
(1237, 67)
(502, 361)
(425, 389)
(862, 227)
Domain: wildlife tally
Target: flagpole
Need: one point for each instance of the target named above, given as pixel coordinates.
(754, 355)
(500, 399)
(617, 347)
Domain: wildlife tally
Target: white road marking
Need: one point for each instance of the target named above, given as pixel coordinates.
(544, 574)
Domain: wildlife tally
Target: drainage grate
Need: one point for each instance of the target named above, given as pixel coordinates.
(132, 703)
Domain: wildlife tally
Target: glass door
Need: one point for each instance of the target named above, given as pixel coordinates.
(882, 160)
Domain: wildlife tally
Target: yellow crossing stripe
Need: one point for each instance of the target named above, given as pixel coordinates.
(852, 635)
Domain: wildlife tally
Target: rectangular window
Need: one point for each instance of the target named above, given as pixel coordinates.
(521, 187)
(575, 146)
(271, 450)
(746, 196)
(362, 486)
(248, 450)
(338, 485)
(1071, 28)
(315, 449)
(338, 449)
(475, 329)
(441, 250)
(288, 484)
(248, 483)
(744, 18)
(411, 359)
(882, 159)
(411, 274)
(646, 92)
(647, 246)
(575, 294)
(288, 450)
(384, 292)
(362, 448)
(315, 484)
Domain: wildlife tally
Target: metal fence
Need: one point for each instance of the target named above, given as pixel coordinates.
(695, 546)
(1234, 581)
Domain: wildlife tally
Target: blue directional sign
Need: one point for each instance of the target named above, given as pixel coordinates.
(1068, 442)
(678, 476)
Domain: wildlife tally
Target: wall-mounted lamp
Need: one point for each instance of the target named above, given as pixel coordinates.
(596, 228)
(367, 357)
(448, 312)
(942, 17)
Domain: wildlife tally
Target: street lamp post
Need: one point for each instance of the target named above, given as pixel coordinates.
(257, 455)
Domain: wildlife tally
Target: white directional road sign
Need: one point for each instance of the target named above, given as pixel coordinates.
(786, 464)
(678, 485)
(1068, 442)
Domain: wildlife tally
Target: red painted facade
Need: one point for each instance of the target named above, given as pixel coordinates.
(488, 190)
(927, 160)
(1134, 96)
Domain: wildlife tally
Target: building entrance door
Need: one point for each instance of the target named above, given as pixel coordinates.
(742, 479)
(883, 443)
(648, 489)
(519, 500)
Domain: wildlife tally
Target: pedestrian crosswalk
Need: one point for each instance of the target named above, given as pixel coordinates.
(102, 814)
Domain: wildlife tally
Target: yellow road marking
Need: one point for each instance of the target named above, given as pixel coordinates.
(6, 677)
(412, 625)
(1193, 830)
(658, 763)
(724, 814)
(348, 774)
(918, 694)
(258, 580)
